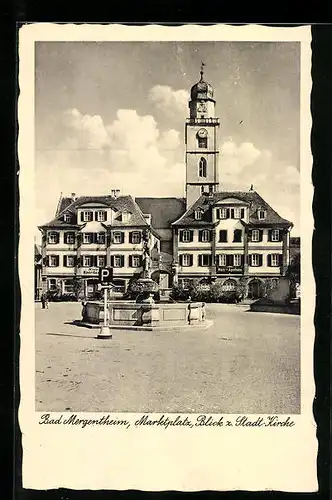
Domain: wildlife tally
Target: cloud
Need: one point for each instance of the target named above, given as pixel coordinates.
(244, 164)
(92, 157)
(132, 153)
(174, 103)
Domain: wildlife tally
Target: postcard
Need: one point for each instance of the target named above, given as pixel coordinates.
(166, 335)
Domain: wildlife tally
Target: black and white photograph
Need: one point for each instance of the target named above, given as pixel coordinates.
(167, 217)
(176, 166)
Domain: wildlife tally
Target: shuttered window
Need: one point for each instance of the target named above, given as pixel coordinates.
(87, 238)
(53, 260)
(222, 259)
(117, 261)
(135, 237)
(53, 238)
(100, 238)
(186, 260)
(69, 260)
(86, 216)
(255, 260)
(135, 260)
(69, 238)
(186, 235)
(204, 236)
(204, 260)
(118, 237)
(274, 260)
(101, 260)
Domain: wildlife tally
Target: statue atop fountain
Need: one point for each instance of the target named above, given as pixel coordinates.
(145, 285)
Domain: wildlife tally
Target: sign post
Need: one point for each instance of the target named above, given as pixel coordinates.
(105, 278)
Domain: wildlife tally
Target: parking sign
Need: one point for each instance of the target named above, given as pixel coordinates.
(105, 275)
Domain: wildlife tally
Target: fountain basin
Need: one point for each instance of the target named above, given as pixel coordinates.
(145, 316)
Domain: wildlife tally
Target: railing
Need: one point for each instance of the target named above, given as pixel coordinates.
(202, 121)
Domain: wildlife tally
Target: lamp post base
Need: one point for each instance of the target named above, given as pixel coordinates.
(104, 333)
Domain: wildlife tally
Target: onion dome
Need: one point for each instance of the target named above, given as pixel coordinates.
(201, 89)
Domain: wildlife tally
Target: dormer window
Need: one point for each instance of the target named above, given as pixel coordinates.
(125, 217)
(261, 214)
(67, 218)
(223, 213)
(198, 214)
(101, 215)
(86, 216)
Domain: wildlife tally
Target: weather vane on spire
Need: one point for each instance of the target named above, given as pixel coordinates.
(202, 69)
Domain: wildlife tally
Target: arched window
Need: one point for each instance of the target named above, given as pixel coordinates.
(202, 167)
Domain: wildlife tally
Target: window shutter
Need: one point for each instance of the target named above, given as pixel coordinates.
(200, 260)
(260, 260)
(250, 235)
(269, 260)
(227, 213)
(181, 236)
(260, 235)
(65, 261)
(96, 215)
(200, 235)
(122, 260)
(130, 257)
(232, 213)
(242, 213)
(112, 260)
(269, 236)
(57, 237)
(181, 260)
(191, 235)
(57, 260)
(122, 237)
(190, 260)
(250, 260)
(280, 260)
(130, 237)
(242, 260)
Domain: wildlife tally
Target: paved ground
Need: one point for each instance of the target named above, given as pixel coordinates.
(245, 363)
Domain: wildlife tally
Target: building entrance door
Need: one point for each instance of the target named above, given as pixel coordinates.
(255, 289)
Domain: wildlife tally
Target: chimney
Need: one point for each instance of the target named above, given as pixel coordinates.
(117, 193)
(73, 196)
(113, 193)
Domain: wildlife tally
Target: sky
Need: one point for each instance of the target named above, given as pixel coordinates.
(110, 115)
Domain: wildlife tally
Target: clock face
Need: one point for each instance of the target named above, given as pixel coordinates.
(202, 132)
(201, 107)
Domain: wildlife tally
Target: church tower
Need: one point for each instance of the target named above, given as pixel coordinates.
(202, 142)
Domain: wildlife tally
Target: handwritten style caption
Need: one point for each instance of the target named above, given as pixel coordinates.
(167, 422)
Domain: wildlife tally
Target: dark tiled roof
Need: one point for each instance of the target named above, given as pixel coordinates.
(38, 251)
(119, 204)
(163, 211)
(253, 199)
(63, 204)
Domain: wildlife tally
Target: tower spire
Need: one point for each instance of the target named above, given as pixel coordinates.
(202, 70)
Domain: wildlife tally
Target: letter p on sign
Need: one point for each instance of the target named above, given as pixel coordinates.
(105, 275)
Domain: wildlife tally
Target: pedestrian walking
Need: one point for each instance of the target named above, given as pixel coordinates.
(44, 301)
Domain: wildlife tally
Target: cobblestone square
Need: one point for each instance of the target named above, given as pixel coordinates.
(245, 362)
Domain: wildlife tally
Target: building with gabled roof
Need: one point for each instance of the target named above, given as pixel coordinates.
(92, 232)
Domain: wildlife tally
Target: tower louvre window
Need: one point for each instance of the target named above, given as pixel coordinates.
(202, 167)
